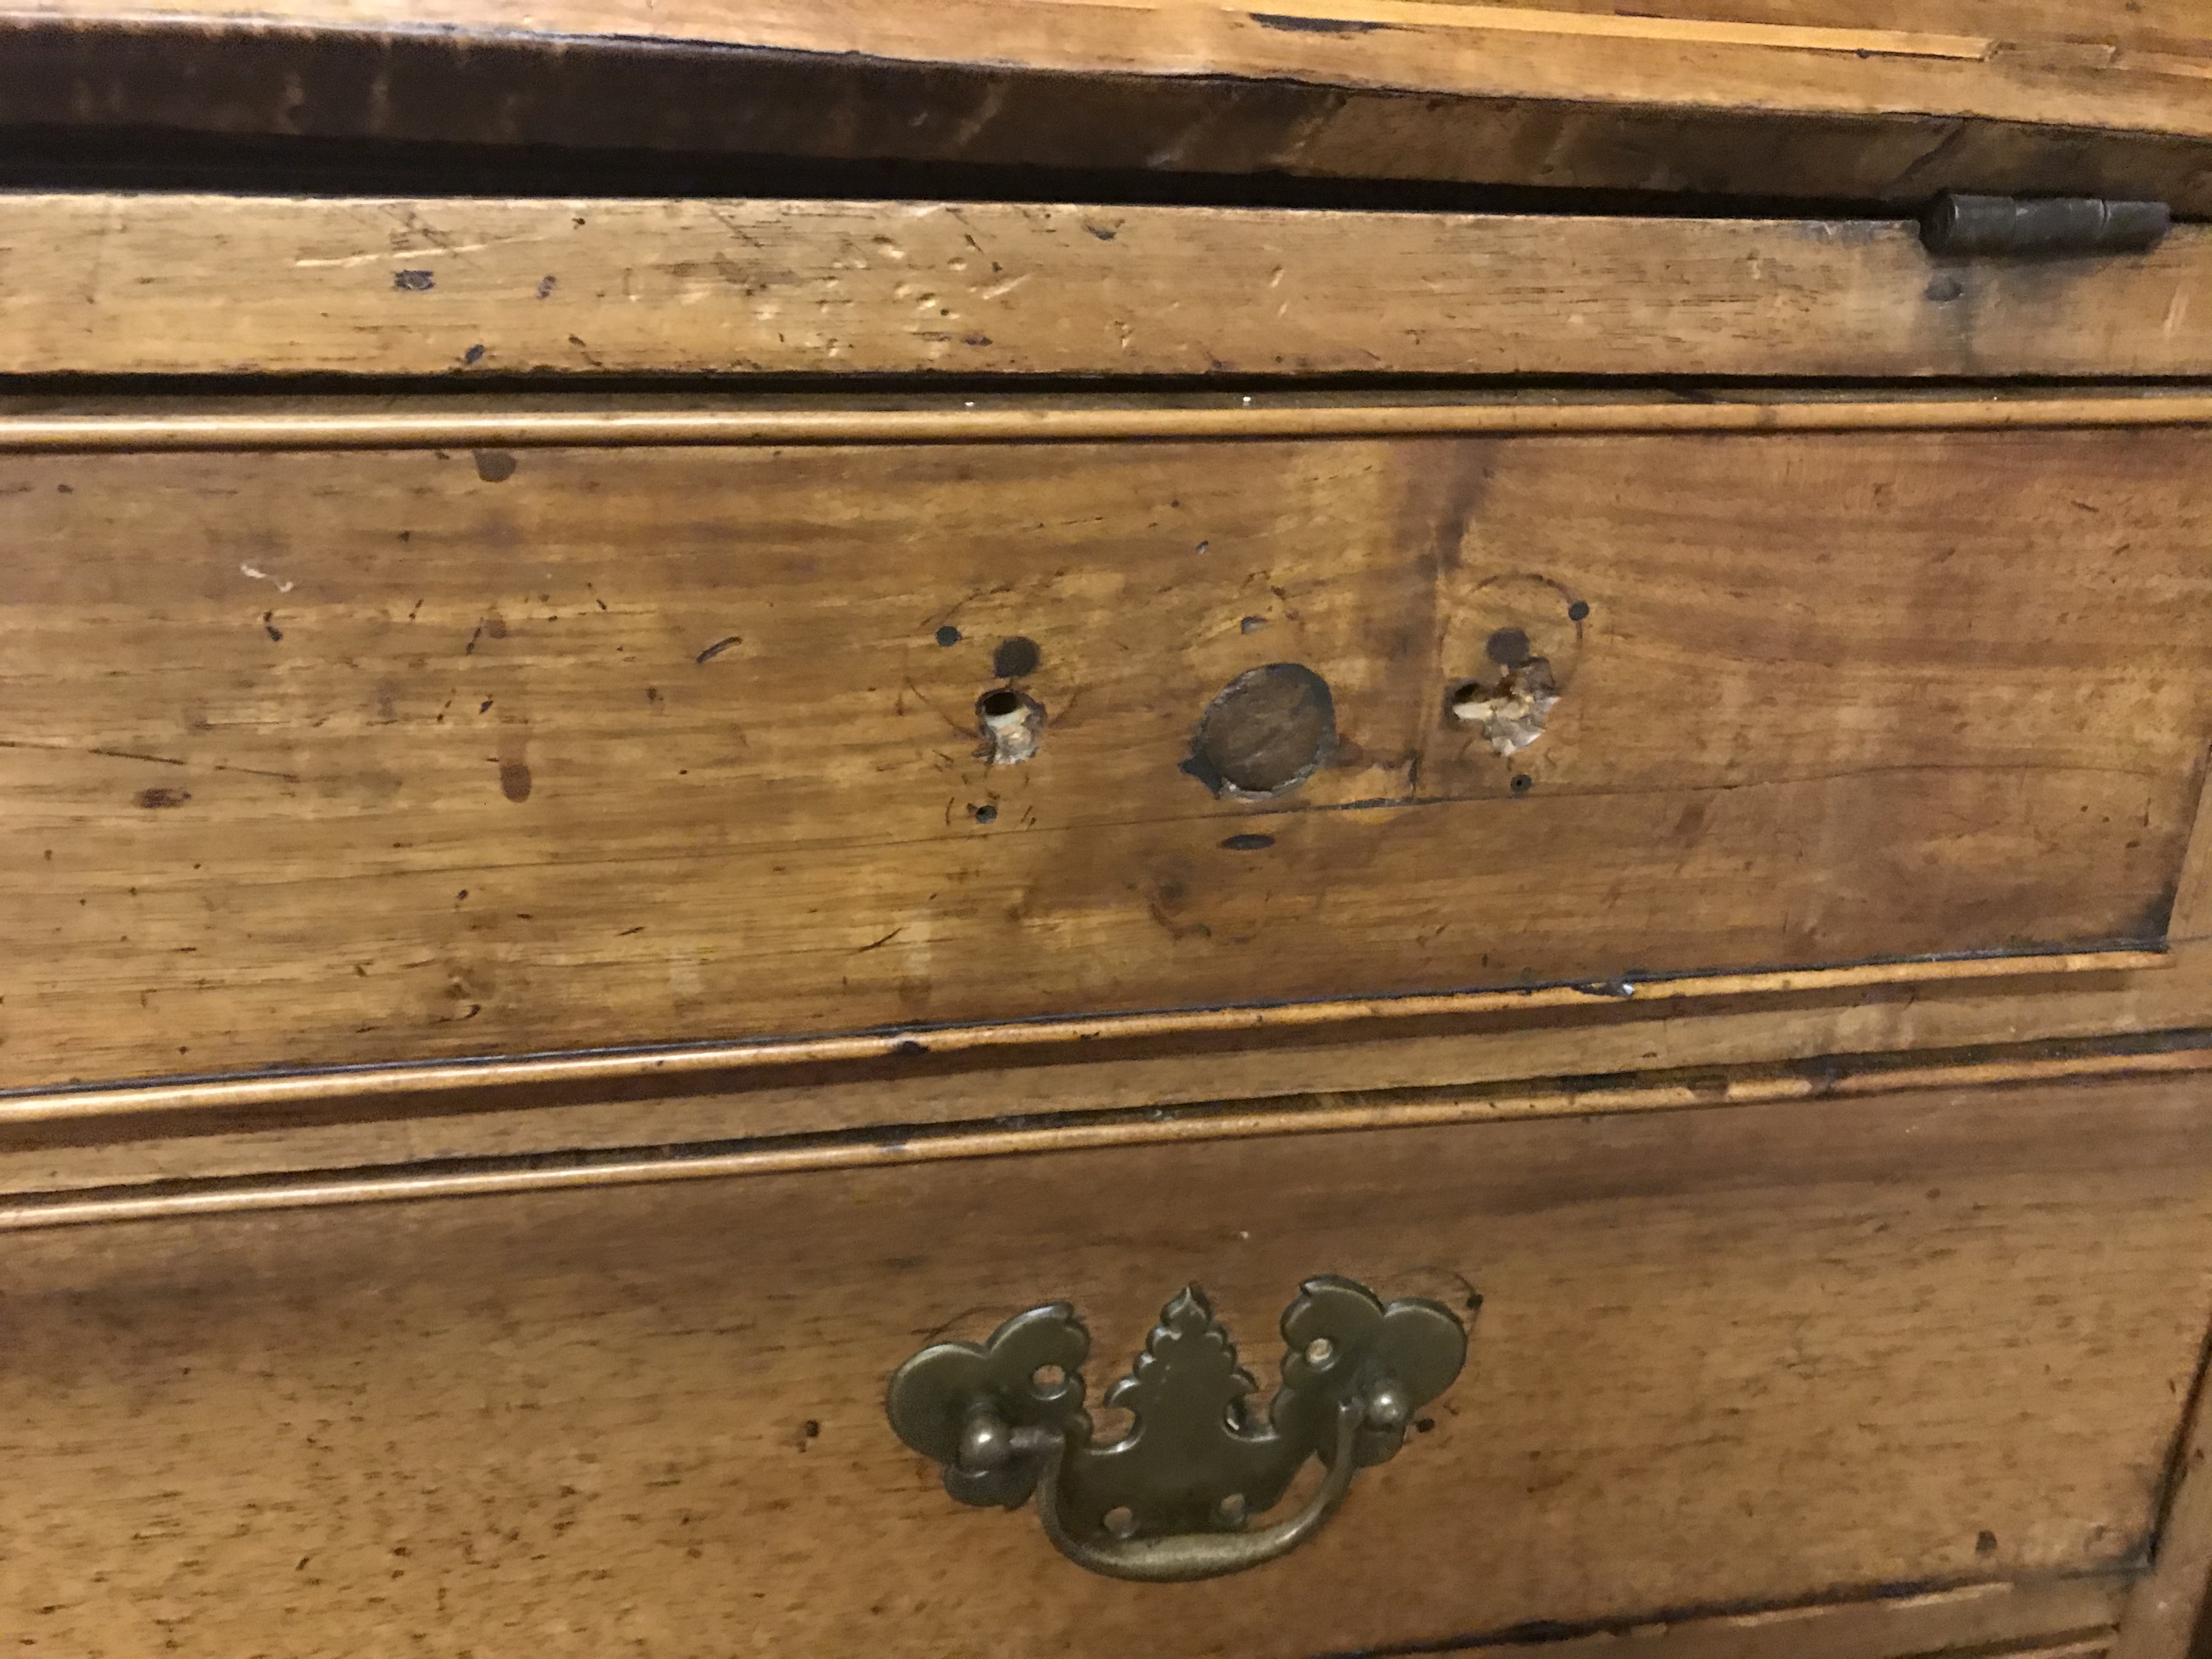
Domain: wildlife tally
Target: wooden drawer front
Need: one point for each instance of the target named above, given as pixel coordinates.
(342, 755)
(497, 287)
(1732, 1356)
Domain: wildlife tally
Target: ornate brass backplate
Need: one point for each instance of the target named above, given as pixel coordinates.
(1171, 1498)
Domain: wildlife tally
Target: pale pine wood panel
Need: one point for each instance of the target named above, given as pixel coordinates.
(253, 284)
(341, 756)
(1730, 1357)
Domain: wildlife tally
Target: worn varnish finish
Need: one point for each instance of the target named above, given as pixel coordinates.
(254, 284)
(343, 756)
(1730, 1357)
(1824, 102)
(2146, 80)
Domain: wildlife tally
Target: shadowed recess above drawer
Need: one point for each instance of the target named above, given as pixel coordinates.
(347, 756)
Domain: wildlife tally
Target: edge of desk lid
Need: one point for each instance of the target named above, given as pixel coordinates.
(1344, 89)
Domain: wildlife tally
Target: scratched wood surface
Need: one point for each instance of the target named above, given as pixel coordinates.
(1832, 101)
(341, 756)
(1729, 1358)
(253, 284)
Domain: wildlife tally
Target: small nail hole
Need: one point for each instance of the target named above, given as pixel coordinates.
(1522, 783)
(987, 813)
(948, 635)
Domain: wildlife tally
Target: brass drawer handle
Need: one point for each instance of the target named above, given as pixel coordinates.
(1169, 1501)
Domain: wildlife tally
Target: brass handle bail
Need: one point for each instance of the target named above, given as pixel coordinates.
(1169, 1501)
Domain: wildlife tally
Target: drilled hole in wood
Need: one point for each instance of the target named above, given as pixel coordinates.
(1270, 730)
(1511, 704)
(1011, 723)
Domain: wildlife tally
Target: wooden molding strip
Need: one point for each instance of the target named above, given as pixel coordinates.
(1045, 421)
(196, 284)
(2049, 1618)
(231, 1093)
(485, 1177)
(1521, 19)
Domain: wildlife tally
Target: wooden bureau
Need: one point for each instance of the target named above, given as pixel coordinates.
(678, 864)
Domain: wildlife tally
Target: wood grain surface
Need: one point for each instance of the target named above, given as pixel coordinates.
(256, 1143)
(1731, 1359)
(2169, 1612)
(253, 284)
(324, 757)
(1405, 46)
(1821, 103)
(55, 1174)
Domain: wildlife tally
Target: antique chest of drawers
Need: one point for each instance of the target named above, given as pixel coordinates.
(678, 864)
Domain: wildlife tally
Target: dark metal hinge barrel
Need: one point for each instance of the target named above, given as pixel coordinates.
(2014, 225)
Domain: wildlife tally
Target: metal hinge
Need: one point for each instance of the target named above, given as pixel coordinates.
(2003, 225)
